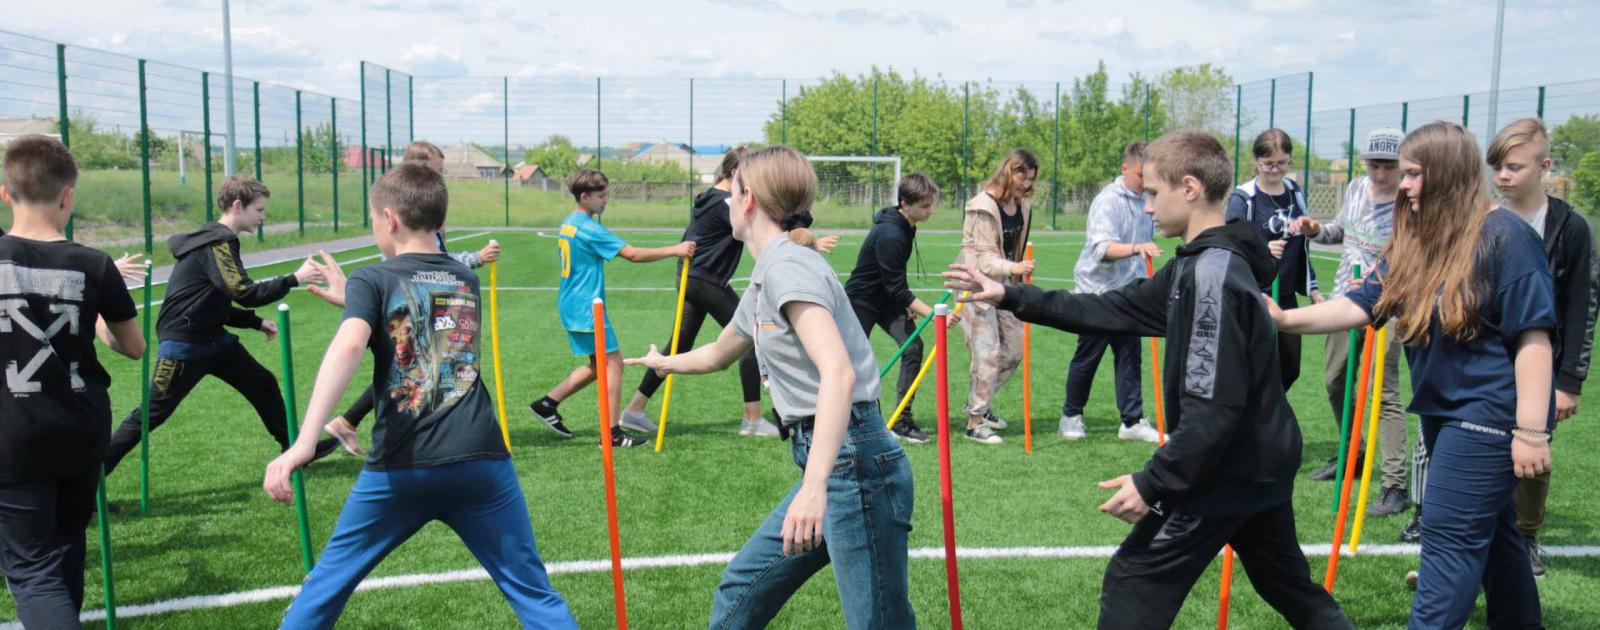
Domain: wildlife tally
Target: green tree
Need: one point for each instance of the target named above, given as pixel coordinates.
(1198, 97)
(1574, 139)
(1587, 177)
(556, 156)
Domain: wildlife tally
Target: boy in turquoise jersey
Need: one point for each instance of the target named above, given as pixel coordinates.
(585, 246)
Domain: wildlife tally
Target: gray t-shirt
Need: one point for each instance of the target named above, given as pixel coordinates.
(788, 272)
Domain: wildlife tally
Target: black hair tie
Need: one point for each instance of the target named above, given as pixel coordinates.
(796, 221)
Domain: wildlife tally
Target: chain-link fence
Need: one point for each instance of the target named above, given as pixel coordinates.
(137, 189)
(511, 141)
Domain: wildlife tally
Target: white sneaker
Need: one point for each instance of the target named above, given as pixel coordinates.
(994, 422)
(758, 427)
(1071, 428)
(341, 430)
(1141, 431)
(637, 422)
(983, 435)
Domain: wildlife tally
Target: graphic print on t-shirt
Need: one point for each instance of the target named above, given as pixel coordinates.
(434, 327)
(63, 289)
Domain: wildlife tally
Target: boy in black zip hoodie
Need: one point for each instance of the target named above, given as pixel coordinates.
(205, 283)
(879, 293)
(1226, 474)
(1520, 157)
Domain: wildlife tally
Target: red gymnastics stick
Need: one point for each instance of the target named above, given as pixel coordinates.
(620, 599)
(946, 500)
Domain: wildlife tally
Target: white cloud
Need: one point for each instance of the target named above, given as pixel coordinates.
(433, 60)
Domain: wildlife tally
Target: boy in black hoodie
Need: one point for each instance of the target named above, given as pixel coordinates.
(879, 293)
(1520, 157)
(206, 281)
(1226, 474)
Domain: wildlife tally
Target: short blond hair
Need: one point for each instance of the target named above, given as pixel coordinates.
(1523, 131)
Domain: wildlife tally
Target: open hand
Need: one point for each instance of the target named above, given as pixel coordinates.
(653, 360)
(1126, 504)
(333, 276)
(132, 267)
(826, 244)
(979, 287)
(1273, 309)
(1149, 250)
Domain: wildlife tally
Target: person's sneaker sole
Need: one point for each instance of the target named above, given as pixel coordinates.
(553, 421)
(990, 439)
(348, 439)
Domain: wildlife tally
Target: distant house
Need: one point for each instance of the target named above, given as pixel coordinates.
(355, 157)
(467, 161)
(13, 128)
(530, 175)
(702, 161)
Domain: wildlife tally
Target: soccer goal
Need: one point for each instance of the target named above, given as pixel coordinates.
(868, 181)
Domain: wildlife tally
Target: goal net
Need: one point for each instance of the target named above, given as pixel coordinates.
(857, 185)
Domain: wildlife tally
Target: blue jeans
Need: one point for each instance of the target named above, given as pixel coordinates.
(480, 500)
(868, 520)
(1469, 533)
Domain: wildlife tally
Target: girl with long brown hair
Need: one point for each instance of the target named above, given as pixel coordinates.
(852, 506)
(1468, 291)
(993, 237)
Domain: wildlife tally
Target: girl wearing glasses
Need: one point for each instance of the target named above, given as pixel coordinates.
(1272, 202)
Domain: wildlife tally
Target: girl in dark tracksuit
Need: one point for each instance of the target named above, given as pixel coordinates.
(709, 292)
(1469, 293)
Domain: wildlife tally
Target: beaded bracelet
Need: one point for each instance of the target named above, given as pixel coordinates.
(1531, 436)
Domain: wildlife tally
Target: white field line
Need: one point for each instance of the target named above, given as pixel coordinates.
(341, 262)
(240, 598)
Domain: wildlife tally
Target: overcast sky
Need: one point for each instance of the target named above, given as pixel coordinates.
(1361, 52)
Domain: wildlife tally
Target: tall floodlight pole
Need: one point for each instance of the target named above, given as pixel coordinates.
(227, 73)
(1494, 72)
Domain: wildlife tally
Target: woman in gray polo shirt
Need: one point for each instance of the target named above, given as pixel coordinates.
(852, 506)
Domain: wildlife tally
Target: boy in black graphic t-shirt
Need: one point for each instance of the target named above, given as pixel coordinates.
(56, 297)
(437, 451)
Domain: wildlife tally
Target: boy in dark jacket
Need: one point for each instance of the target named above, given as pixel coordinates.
(206, 282)
(879, 293)
(1226, 474)
(1520, 157)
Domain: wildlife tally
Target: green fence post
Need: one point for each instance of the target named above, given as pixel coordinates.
(783, 114)
(966, 158)
(874, 150)
(1405, 115)
(1466, 110)
(1238, 124)
(505, 122)
(388, 120)
(261, 232)
(302, 518)
(1540, 110)
(1272, 106)
(1055, 163)
(597, 152)
(691, 142)
(299, 162)
(1349, 151)
(1311, 78)
(366, 152)
(333, 156)
(1146, 112)
(205, 117)
(61, 100)
(149, 241)
(411, 109)
(102, 517)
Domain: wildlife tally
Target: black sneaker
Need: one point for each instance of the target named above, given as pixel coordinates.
(994, 422)
(623, 439)
(325, 448)
(1413, 532)
(1536, 557)
(1327, 472)
(1392, 501)
(906, 429)
(551, 418)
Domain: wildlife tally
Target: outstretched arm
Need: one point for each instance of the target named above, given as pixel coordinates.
(712, 357)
